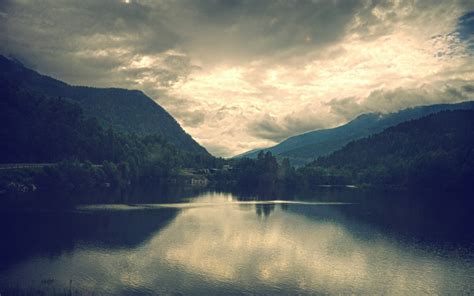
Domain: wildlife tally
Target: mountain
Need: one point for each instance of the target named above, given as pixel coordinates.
(36, 129)
(433, 151)
(306, 147)
(73, 153)
(125, 110)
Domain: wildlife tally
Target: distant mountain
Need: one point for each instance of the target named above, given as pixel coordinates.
(125, 110)
(433, 151)
(306, 147)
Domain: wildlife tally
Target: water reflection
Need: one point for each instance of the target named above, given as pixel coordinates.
(50, 234)
(218, 246)
(264, 209)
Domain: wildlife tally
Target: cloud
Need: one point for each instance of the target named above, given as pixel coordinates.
(239, 75)
(297, 122)
(469, 88)
(387, 101)
(465, 29)
(341, 110)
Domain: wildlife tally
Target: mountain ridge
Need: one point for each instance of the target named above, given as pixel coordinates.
(434, 151)
(304, 148)
(126, 110)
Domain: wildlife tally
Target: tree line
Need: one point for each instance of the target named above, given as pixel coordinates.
(39, 129)
(434, 151)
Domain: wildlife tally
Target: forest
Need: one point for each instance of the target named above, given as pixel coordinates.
(83, 155)
(434, 152)
(36, 129)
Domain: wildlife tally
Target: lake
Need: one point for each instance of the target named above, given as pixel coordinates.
(336, 241)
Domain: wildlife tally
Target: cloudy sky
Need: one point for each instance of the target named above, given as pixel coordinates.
(240, 75)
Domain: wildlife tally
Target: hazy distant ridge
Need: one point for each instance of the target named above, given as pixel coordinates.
(309, 146)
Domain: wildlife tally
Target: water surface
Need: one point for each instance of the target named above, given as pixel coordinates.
(218, 243)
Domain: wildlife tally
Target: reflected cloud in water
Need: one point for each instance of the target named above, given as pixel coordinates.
(228, 249)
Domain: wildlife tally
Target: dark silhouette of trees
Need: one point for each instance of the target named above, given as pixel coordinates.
(37, 129)
(434, 151)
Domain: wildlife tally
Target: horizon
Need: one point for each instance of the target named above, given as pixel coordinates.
(258, 72)
(221, 147)
(252, 151)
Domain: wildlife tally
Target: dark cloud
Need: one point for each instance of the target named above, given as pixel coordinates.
(346, 107)
(465, 28)
(270, 128)
(468, 88)
(245, 30)
(93, 37)
(209, 29)
(218, 65)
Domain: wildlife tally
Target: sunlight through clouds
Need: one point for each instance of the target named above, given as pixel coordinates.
(358, 68)
(245, 75)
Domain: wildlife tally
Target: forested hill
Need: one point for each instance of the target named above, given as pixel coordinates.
(434, 151)
(125, 110)
(35, 129)
(77, 154)
(306, 147)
